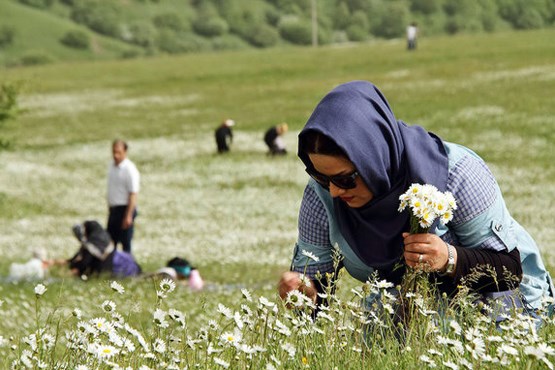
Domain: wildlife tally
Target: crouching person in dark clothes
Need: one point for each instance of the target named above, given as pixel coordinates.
(97, 254)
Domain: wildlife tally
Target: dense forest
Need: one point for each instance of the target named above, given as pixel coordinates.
(179, 26)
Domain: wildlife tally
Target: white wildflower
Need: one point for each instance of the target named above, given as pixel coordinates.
(167, 285)
(177, 316)
(77, 313)
(455, 326)
(265, 302)
(310, 255)
(246, 294)
(101, 324)
(290, 349)
(451, 365)
(40, 289)
(108, 306)
(225, 311)
(222, 363)
(159, 346)
(232, 339)
(305, 280)
(428, 360)
(159, 318)
(295, 298)
(104, 351)
(117, 287)
(507, 349)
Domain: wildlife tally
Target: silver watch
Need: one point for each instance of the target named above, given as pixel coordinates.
(450, 260)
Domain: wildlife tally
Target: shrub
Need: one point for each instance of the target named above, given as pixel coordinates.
(102, 17)
(341, 16)
(175, 43)
(356, 33)
(210, 26)
(142, 33)
(424, 6)
(393, 21)
(76, 39)
(33, 58)
(229, 42)
(170, 21)
(296, 30)
(261, 35)
(272, 16)
(41, 4)
(7, 34)
(131, 54)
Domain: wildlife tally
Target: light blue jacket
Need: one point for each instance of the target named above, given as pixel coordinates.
(495, 221)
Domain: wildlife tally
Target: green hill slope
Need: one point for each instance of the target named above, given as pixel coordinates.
(37, 34)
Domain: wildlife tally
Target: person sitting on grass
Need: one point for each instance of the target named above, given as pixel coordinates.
(97, 255)
(179, 269)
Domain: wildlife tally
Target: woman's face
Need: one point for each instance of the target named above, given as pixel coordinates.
(333, 166)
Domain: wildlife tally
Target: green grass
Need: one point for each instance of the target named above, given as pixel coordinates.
(235, 216)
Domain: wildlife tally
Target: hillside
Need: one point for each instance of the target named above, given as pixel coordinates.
(37, 37)
(40, 31)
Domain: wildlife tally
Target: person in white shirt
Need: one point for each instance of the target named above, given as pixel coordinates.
(123, 187)
(412, 32)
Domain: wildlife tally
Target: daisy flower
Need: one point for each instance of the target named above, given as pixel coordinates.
(159, 318)
(117, 287)
(40, 289)
(225, 311)
(104, 351)
(167, 285)
(108, 306)
(222, 363)
(159, 346)
(246, 294)
(310, 255)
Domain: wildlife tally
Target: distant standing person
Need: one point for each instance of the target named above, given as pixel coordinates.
(274, 141)
(412, 33)
(123, 187)
(224, 135)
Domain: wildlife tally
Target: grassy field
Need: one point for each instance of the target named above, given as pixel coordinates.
(235, 216)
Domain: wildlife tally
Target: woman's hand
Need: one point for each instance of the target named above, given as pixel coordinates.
(292, 280)
(426, 251)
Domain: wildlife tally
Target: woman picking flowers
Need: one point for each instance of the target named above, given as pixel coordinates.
(361, 160)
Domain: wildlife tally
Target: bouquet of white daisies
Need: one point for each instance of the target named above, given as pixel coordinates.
(427, 204)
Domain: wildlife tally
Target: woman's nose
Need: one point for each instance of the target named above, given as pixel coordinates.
(336, 191)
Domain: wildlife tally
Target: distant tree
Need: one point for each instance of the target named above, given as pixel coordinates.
(171, 21)
(8, 106)
(527, 14)
(262, 35)
(463, 15)
(103, 17)
(358, 26)
(142, 34)
(424, 6)
(393, 20)
(7, 34)
(76, 39)
(296, 30)
(41, 4)
(208, 22)
(341, 16)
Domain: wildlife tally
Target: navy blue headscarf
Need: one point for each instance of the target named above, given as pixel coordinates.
(389, 156)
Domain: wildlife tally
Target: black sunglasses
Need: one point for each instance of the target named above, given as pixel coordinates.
(341, 181)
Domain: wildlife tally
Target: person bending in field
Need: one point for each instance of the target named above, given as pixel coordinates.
(360, 160)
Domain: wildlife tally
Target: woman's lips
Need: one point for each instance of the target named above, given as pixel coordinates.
(346, 199)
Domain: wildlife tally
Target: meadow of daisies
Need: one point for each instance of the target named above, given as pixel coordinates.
(234, 216)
